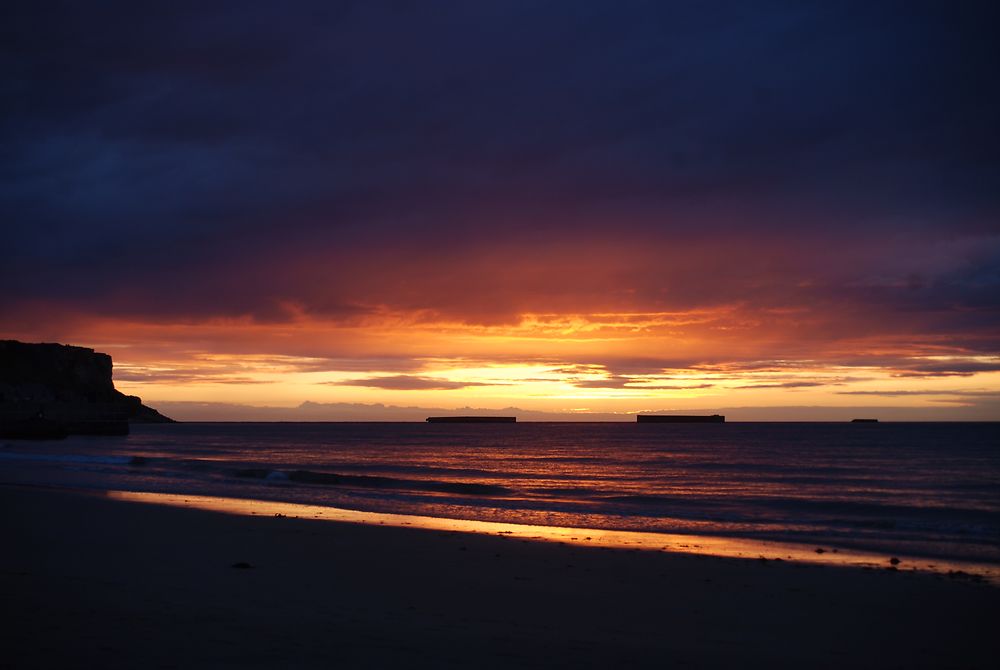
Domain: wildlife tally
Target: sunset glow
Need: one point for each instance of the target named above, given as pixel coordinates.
(500, 334)
(323, 216)
(617, 363)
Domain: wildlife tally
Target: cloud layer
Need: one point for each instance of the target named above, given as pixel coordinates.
(645, 187)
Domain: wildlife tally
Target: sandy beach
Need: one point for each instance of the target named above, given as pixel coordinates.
(94, 582)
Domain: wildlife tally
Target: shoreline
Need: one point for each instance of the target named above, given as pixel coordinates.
(92, 581)
(816, 552)
(704, 545)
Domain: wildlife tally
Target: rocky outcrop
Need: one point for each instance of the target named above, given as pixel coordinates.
(71, 387)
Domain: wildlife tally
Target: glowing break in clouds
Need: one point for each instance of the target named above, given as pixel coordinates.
(568, 207)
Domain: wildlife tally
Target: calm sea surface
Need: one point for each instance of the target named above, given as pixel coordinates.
(924, 489)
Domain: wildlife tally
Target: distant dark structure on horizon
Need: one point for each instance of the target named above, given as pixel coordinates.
(49, 391)
(864, 420)
(680, 418)
(471, 419)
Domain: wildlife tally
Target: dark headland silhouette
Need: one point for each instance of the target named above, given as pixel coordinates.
(471, 419)
(54, 390)
(864, 420)
(680, 418)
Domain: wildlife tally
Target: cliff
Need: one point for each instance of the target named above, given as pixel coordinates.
(64, 384)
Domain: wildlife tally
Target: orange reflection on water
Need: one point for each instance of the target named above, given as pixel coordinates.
(727, 547)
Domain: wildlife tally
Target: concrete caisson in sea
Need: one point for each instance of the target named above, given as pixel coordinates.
(471, 419)
(680, 418)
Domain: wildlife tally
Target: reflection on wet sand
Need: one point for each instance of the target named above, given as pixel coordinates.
(688, 544)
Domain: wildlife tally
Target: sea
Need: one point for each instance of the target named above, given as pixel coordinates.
(919, 489)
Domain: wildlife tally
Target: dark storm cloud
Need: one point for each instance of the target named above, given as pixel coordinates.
(638, 384)
(622, 366)
(409, 383)
(189, 160)
(949, 392)
(783, 385)
(915, 366)
(948, 369)
(182, 376)
(385, 363)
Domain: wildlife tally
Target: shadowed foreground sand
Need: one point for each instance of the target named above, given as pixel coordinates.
(90, 582)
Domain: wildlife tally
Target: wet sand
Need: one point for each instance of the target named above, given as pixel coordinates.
(88, 581)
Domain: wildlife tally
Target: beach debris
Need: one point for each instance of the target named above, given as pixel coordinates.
(820, 550)
(242, 565)
(894, 560)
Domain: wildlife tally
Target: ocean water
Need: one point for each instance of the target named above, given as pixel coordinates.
(922, 489)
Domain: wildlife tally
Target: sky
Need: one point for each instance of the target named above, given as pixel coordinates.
(591, 209)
